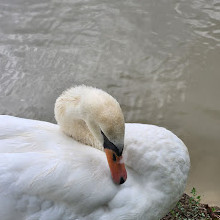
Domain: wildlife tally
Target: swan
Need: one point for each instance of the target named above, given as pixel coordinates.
(91, 166)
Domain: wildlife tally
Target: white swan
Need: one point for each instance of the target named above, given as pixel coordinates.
(47, 175)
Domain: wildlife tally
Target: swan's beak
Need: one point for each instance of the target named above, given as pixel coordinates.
(117, 166)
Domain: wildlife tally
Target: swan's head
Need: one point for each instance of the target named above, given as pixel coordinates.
(104, 123)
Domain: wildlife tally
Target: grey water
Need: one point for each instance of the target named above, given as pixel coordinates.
(160, 59)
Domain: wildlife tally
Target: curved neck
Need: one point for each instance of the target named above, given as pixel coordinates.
(83, 112)
(80, 132)
(68, 116)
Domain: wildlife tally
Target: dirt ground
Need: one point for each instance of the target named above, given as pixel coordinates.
(190, 208)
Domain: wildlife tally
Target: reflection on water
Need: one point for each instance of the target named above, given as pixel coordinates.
(160, 59)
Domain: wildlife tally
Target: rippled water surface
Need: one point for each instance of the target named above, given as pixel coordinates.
(160, 59)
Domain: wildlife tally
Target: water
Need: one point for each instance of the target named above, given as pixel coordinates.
(160, 59)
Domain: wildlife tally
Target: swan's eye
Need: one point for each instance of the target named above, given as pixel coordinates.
(114, 157)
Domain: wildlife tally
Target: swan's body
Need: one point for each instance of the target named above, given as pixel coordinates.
(46, 175)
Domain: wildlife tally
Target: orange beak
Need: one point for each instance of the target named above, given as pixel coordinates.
(117, 167)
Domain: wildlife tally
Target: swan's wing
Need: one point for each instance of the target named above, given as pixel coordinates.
(44, 173)
(161, 161)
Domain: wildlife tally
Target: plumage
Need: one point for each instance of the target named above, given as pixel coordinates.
(47, 175)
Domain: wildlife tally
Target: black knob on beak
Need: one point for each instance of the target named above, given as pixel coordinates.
(122, 180)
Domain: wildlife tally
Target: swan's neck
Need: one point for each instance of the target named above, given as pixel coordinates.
(69, 114)
(83, 112)
(80, 132)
